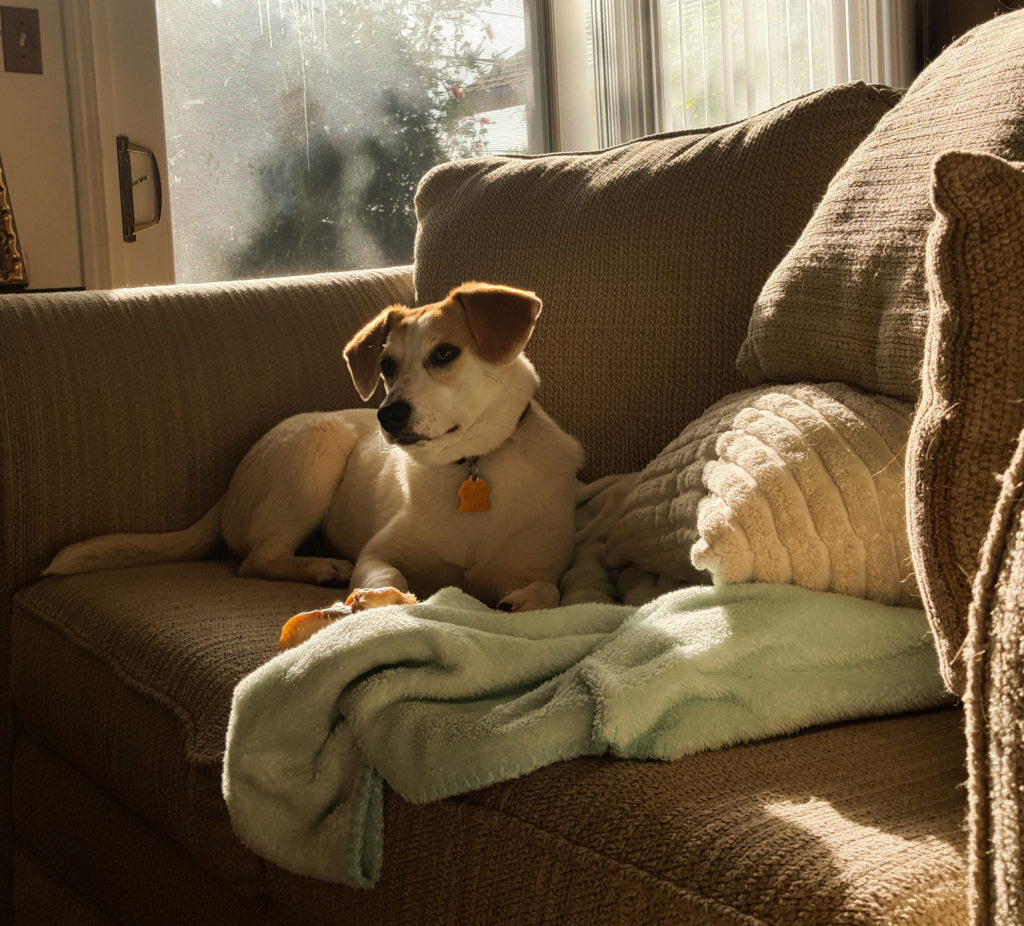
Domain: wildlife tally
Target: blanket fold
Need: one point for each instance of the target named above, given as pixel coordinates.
(449, 696)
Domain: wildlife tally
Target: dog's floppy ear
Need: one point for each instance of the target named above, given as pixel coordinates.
(362, 353)
(500, 319)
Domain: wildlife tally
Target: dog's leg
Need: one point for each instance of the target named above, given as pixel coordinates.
(531, 597)
(362, 599)
(375, 580)
(279, 563)
(280, 493)
(524, 576)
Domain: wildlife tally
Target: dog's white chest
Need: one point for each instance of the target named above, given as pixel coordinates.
(471, 510)
(441, 513)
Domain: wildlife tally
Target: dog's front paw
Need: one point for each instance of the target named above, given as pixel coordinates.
(362, 599)
(531, 597)
(332, 572)
(306, 623)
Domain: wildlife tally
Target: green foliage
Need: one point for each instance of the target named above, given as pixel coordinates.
(373, 98)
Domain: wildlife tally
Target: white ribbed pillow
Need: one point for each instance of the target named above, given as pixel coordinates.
(799, 484)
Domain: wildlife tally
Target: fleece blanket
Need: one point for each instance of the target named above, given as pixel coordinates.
(450, 696)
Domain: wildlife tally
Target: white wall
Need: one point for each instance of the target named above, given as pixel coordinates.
(35, 145)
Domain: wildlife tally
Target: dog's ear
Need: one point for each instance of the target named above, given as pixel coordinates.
(500, 319)
(362, 353)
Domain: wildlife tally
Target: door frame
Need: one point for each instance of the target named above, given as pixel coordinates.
(113, 63)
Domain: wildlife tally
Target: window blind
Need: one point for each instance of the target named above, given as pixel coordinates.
(664, 65)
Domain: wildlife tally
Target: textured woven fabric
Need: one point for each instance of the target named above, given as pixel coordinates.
(41, 899)
(159, 681)
(971, 405)
(128, 410)
(848, 303)
(648, 257)
(797, 484)
(858, 822)
(174, 385)
(995, 712)
(130, 870)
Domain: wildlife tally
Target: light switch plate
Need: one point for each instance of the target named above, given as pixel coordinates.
(22, 43)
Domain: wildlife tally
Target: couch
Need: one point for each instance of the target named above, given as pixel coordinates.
(859, 243)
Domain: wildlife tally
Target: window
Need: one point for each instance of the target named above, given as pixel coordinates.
(297, 130)
(663, 65)
(292, 134)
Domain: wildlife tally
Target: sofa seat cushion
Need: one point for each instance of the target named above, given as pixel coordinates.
(127, 676)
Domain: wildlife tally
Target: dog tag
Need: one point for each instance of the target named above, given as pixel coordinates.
(474, 495)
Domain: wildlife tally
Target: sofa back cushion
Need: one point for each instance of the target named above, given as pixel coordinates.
(971, 409)
(648, 257)
(849, 303)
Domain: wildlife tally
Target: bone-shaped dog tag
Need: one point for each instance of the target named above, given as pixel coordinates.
(474, 495)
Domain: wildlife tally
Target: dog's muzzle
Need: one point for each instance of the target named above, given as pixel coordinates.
(394, 417)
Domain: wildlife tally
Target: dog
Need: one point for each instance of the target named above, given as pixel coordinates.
(459, 478)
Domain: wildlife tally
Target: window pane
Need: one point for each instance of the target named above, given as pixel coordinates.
(722, 60)
(297, 130)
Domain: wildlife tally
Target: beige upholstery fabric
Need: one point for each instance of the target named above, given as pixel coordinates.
(971, 405)
(797, 484)
(164, 675)
(105, 857)
(648, 257)
(128, 410)
(995, 712)
(825, 825)
(848, 302)
(174, 385)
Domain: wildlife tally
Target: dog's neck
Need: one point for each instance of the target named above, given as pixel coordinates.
(496, 422)
(475, 493)
(474, 461)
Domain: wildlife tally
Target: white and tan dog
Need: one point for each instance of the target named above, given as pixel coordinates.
(473, 484)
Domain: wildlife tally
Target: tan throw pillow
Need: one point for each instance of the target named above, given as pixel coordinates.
(848, 302)
(648, 257)
(972, 392)
(799, 484)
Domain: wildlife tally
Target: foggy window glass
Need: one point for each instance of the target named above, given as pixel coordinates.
(298, 130)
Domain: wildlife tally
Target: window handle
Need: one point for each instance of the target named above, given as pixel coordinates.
(128, 182)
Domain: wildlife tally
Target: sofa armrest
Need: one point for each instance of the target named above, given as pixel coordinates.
(129, 409)
(994, 702)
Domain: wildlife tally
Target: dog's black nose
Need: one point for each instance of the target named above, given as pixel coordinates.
(394, 416)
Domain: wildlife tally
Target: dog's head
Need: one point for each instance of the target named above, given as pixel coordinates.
(455, 378)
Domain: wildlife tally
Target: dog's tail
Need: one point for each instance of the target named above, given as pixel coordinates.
(113, 551)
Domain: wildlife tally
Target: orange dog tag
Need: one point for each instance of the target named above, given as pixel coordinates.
(474, 495)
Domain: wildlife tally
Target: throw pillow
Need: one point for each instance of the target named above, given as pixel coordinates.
(848, 302)
(799, 484)
(648, 257)
(972, 394)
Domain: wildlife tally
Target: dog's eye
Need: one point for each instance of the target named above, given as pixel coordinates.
(388, 366)
(443, 354)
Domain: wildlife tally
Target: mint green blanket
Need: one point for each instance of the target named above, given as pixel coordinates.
(449, 696)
